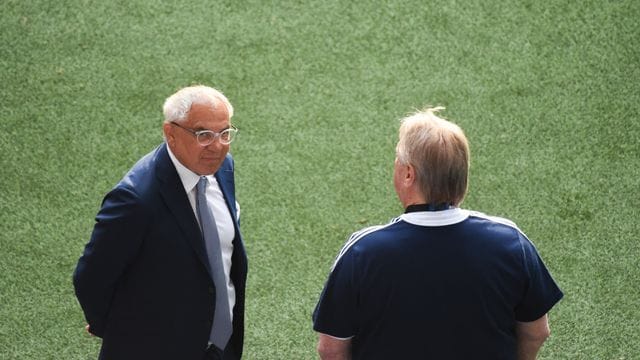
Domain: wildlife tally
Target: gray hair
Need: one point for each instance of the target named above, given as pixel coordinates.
(439, 151)
(177, 106)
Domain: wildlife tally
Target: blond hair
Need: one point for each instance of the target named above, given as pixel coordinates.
(439, 152)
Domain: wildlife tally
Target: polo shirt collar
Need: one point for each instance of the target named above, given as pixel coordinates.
(450, 216)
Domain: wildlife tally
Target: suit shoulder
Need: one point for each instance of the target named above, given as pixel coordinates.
(141, 179)
(228, 163)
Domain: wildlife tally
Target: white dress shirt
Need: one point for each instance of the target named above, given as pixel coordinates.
(221, 213)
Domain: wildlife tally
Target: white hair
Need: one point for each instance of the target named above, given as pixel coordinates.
(177, 106)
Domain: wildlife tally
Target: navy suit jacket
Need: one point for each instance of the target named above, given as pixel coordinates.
(143, 280)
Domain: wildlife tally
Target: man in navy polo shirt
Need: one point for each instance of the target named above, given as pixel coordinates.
(437, 282)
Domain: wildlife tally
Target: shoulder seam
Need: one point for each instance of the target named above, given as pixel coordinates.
(356, 236)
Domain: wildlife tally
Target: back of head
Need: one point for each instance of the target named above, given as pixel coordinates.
(439, 152)
(177, 106)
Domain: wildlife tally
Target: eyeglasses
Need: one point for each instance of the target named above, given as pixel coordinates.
(206, 137)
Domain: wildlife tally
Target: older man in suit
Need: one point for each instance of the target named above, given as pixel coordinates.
(163, 275)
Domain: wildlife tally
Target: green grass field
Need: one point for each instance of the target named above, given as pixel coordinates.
(547, 91)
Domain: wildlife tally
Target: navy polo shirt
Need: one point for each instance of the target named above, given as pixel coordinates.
(447, 284)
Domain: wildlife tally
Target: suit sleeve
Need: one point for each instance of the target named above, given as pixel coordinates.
(117, 235)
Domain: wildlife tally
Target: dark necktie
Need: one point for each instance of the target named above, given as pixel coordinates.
(222, 325)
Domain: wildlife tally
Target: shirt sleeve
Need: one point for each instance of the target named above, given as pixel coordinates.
(541, 292)
(336, 311)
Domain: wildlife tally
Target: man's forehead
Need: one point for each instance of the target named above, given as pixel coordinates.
(205, 116)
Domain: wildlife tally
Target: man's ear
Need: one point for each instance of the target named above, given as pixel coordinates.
(167, 129)
(409, 176)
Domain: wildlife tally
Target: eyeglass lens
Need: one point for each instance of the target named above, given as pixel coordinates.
(207, 137)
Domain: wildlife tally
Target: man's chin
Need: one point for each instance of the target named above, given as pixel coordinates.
(209, 167)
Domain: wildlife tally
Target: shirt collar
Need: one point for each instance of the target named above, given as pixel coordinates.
(450, 216)
(189, 178)
(427, 207)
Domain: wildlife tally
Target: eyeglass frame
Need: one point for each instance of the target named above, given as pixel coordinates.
(232, 130)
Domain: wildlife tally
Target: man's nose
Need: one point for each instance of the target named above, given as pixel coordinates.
(215, 145)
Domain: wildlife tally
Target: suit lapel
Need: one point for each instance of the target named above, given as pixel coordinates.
(176, 200)
(225, 179)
